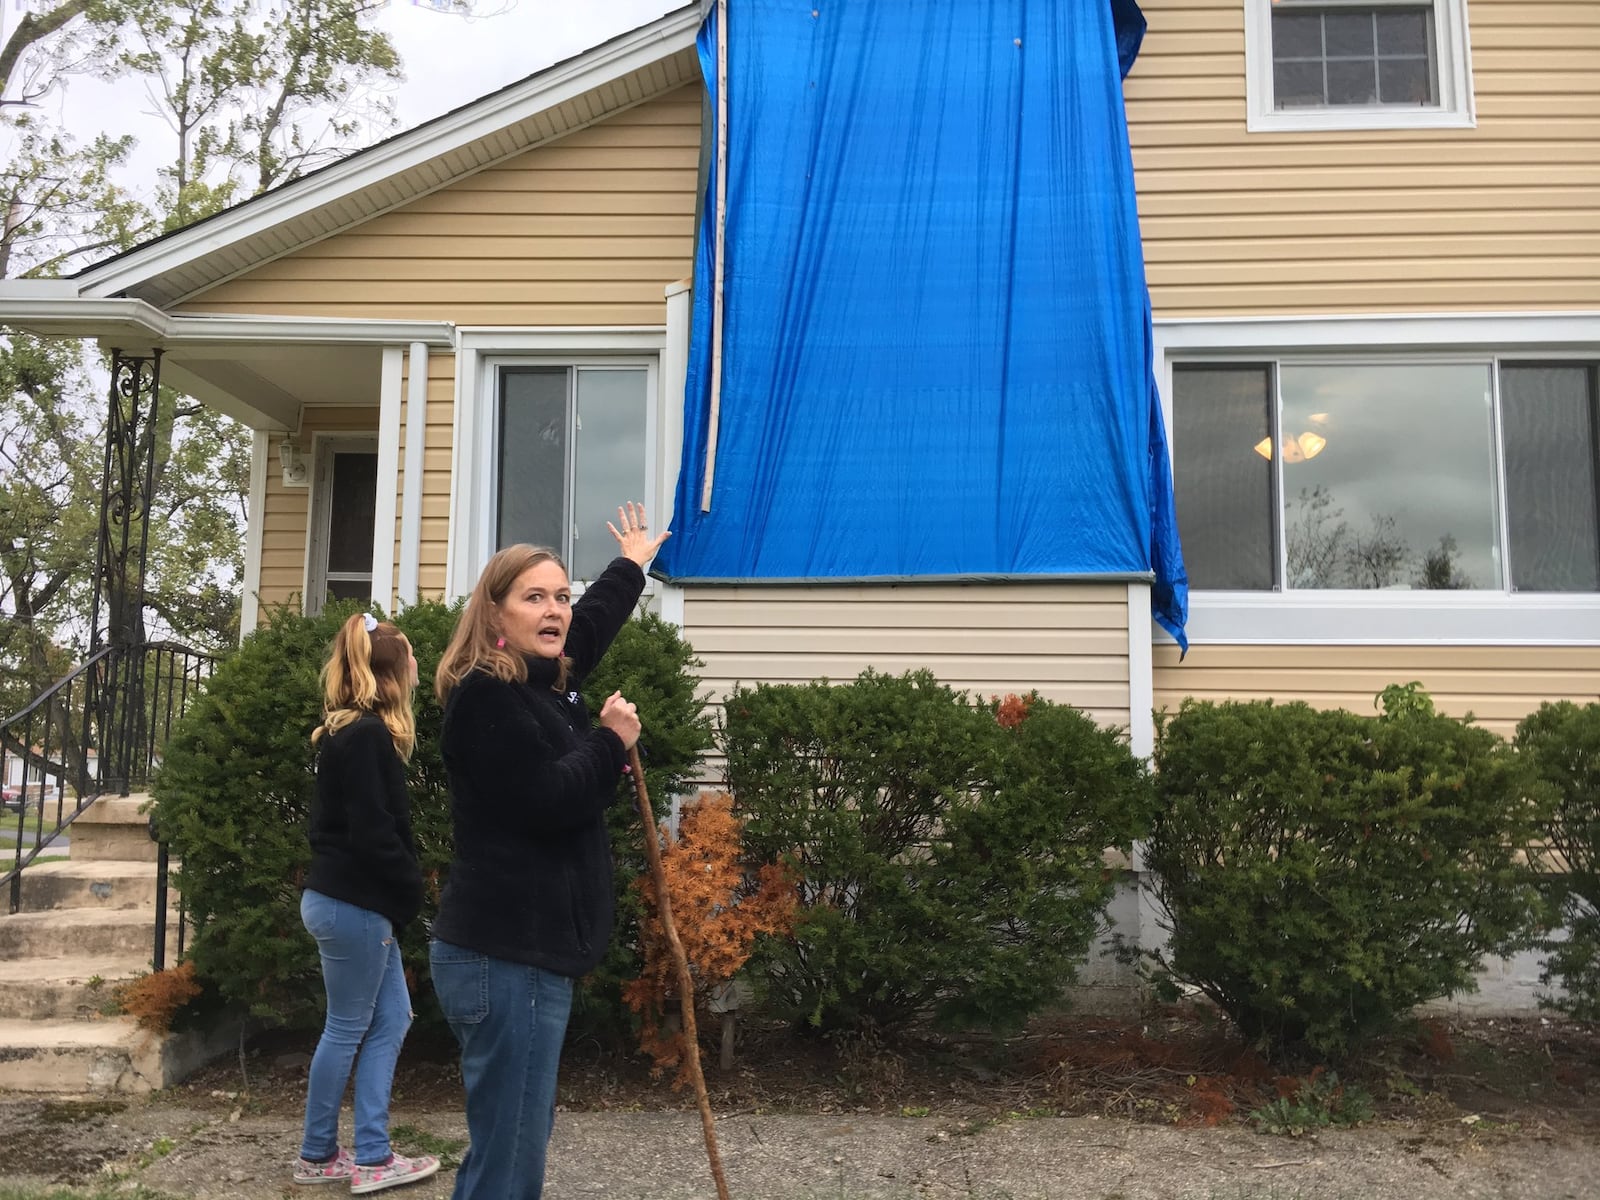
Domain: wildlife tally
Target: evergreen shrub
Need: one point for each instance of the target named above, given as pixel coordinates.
(234, 793)
(1563, 742)
(950, 865)
(1323, 873)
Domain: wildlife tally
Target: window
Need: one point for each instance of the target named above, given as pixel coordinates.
(553, 429)
(570, 446)
(1357, 64)
(1443, 474)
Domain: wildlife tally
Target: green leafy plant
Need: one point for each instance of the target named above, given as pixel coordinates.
(1315, 1102)
(949, 864)
(234, 792)
(1562, 741)
(1323, 873)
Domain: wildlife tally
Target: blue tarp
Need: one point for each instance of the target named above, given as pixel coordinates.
(937, 347)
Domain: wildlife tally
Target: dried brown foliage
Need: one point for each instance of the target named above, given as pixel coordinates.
(154, 1000)
(718, 912)
(1012, 711)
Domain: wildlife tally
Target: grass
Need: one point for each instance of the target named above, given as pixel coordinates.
(411, 1141)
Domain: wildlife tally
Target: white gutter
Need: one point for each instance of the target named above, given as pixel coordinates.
(53, 307)
(411, 501)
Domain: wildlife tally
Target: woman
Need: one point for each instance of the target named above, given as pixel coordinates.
(363, 887)
(528, 905)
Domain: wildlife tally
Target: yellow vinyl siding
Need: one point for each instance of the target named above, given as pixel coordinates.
(286, 514)
(435, 532)
(587, 230)
(1506, 215)
(1068, 641)
(1499, 685)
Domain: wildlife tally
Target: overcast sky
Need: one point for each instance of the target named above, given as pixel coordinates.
(449, 60)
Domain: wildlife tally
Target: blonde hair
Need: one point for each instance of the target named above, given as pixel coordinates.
(369, 671)
(475, 645)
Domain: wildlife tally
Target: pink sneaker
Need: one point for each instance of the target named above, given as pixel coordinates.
(398, 1170)
(336, 1170)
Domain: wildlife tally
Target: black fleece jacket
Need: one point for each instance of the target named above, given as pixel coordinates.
(530, 782)
(362, 851)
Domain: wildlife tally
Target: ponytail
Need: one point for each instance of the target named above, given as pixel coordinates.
(368, 671)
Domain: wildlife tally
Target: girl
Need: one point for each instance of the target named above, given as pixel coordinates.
(363, 887)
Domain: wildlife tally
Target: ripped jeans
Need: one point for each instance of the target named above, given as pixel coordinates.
(369, 1010)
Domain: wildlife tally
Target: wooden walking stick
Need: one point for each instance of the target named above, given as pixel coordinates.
(680, 960)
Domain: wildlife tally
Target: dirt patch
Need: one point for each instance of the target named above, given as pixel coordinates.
(1075, 1105)
(1175, 1066)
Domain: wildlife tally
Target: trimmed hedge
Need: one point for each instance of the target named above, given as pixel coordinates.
(1323, 873)
(1562, 741)
(950, 866)
(234, 792)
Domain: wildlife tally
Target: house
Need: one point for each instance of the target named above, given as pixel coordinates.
(1371, 232)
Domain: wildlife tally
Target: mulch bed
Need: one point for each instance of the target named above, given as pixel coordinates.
(1175, 1065)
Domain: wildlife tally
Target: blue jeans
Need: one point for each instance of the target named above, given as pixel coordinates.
(369, 1010)
(510, 1020)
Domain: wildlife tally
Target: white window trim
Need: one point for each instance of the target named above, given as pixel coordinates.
(480, 353)
(323, 447)
(1456, 109)
(1366, 617)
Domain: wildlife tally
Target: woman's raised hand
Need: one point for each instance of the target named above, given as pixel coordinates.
(634, 534)
(622, 718)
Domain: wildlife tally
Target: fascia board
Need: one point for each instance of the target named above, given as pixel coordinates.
(368, 168)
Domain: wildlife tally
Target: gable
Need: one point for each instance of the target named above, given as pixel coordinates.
(586, 230)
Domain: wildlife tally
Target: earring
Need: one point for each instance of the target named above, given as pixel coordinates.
(500, 643)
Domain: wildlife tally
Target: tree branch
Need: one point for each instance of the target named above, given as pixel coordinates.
(33, 28)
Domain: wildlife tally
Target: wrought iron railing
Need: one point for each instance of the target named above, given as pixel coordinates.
(99, 731)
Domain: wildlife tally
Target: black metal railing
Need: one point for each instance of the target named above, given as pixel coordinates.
(99, 731)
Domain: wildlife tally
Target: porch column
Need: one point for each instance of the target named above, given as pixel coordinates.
(117, 617)
(388, 477)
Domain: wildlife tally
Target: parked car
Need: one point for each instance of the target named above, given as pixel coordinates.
(11, 799)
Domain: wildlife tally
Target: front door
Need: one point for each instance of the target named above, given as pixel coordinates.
(344, 494)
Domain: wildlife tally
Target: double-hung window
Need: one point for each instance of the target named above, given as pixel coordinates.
(1357, 64)
(1456, 472)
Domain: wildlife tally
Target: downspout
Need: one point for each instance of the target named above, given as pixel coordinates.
(719, 219)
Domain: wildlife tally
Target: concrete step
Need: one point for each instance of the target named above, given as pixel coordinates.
(111, 1055)
(98, 884)
(114, 828)
(71, 932)
(65, 989)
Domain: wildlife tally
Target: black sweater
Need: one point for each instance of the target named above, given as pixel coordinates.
(530, 782)
(362, 850)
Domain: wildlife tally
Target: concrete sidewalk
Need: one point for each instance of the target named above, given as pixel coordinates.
(202, 1153)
